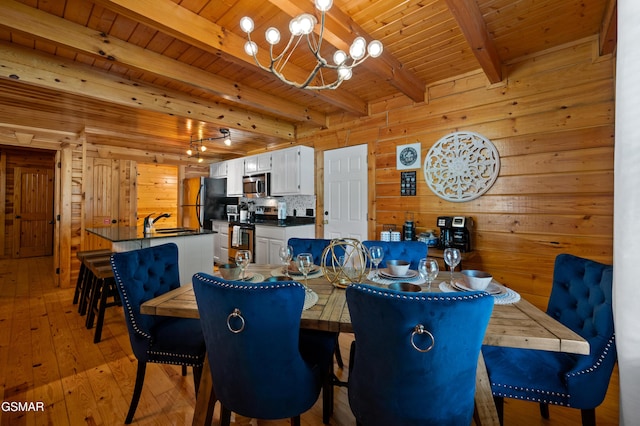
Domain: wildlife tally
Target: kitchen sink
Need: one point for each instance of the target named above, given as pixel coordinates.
(182, 231)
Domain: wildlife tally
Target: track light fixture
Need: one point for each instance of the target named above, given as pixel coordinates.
(196, 146)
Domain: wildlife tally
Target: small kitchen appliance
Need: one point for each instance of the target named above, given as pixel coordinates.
(455, 231)
(282, 211)
(232, 213)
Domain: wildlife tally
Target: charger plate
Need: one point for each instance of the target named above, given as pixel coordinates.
(510, 296)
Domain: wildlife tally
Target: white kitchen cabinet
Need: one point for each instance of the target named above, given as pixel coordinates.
(269, 239)
(218, 170)
(259, 163)
(235, 171)
(221, 241)
(292, 171)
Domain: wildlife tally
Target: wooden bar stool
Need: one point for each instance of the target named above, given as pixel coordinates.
(88, 279)
(103, 295)
(81, 281)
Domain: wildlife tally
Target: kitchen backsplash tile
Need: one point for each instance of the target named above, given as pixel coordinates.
(299, 203)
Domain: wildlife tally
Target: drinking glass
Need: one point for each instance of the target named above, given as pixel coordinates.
(305, 262)
(452, 257)
(243, 257)
(286, 254)
(429, 269)
(376, 253)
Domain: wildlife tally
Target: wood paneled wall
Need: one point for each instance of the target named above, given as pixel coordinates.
(158, 193)
(552, 122)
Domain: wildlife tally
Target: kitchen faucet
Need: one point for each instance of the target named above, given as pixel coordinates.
(148, 222)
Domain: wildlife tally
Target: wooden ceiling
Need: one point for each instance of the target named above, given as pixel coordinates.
(150, 74)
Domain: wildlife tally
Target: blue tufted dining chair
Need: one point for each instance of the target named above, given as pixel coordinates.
(315, 246)
(415, 355)
(580, 299)
(411, 251)
(141, 275)
(258, 366)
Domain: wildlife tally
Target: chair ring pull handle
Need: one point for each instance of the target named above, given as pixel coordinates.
(235, 314)
(419, 329)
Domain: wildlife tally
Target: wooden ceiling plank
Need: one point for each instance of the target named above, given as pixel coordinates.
(181, 23)
(63, 75)
(609, 29)
(62, 32)
(472, 25)
(340, 27)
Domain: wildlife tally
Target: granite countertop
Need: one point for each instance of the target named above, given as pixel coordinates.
(131, 233)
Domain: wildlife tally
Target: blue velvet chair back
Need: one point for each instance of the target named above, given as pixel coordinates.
(257, 372)
(581, 299)
(411, 251)
(391, 382)
(315, 246)
(142, 275)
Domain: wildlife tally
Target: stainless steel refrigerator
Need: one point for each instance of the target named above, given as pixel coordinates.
(204, 200)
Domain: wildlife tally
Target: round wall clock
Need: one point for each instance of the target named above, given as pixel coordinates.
(461, 166)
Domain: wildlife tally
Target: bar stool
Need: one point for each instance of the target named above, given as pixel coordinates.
(103, 291)
(85, 276)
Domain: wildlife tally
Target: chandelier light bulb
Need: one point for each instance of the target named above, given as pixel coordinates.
(246, 24)
(250, 48)
(339, 57)
(323, 5)
(358, 48)
(375, 48)
(272, 35)
(344, 72)
(307, 22)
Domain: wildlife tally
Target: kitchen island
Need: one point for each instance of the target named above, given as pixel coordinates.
(195, 247)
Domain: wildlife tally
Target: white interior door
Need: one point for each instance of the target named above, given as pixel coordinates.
(345, 193)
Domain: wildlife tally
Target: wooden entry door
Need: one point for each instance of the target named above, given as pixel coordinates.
(33, 208)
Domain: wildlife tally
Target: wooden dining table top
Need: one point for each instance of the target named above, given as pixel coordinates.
(518, 325)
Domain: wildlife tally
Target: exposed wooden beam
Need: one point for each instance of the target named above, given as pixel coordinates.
(55, 73)
(609, 29)
(339, 27)
(19, 17)
(469, 18)
(169, 18)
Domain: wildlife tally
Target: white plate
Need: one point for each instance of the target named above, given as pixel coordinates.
(492, 288)
(410, 274)
(296, 272)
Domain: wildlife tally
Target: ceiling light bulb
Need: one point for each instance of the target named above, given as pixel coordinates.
(250, 48)
(307, 22)
(200, 160)
(246, 24)
(272, 35)
(203, 148)
(344, 72)
(357, 49)
(323, 5)
(339, 57)
(227, 142)
(375, 49)
(189, 152)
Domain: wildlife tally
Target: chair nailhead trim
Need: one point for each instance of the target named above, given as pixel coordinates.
(432, 296)
(126, 304)
(599, 361)
(245, 286)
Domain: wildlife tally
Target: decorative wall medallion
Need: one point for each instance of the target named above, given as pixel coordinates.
(461, 166)
(408, 156)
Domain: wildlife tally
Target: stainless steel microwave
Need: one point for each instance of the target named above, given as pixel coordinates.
(256, 186)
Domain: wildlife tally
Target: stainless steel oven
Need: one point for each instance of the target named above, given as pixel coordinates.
(241, 237)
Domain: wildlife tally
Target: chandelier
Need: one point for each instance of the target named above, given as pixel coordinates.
(196, 146)
(301, 27)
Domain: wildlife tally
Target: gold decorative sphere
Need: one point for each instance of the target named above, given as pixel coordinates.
(344, 261)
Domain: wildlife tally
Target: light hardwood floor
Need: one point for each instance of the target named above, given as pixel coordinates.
(47, 355)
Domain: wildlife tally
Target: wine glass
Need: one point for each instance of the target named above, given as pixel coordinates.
(243, 257)
(286, 254)
(305, 262)
(429, 269)
(376, 253)
(452, 257)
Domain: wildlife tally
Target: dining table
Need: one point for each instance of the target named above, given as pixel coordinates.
(519, 325)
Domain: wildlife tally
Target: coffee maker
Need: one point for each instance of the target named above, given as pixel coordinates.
(455, 231)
